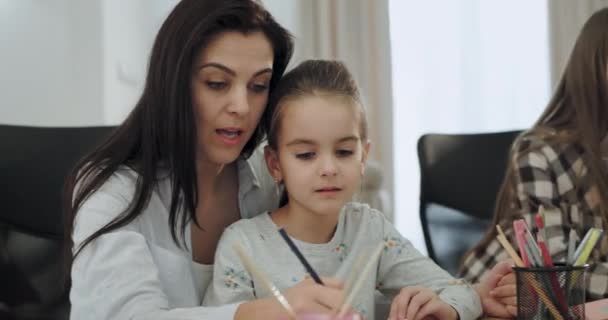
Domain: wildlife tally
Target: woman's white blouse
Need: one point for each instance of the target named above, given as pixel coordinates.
(138, 271)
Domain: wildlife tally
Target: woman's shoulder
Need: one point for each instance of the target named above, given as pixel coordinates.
(124, 175)
(105, 203)
(122, 178)
(112, 196)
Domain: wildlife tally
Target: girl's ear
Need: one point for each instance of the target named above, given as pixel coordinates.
(364, 154)
(272, 163)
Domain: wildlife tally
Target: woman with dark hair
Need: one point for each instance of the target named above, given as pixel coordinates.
(561, 163)
(146, 208)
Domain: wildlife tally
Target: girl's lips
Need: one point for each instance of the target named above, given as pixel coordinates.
(328, 189)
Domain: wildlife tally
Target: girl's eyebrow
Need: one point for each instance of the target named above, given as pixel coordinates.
(230, 71)
(301, 141)
(349, 138)
(312, 142)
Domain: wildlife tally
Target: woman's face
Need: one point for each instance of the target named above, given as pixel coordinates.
(229, 90)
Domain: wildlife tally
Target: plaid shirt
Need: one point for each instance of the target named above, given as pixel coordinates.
(555, 176)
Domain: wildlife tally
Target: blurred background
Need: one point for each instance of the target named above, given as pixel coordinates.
(450, 66)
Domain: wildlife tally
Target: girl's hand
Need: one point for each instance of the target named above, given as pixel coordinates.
(506, 292)
(310, 297)
(306, 297)
(415, 303)
(498, 291)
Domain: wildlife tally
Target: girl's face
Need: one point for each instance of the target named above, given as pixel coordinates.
(320, 155)
(229, 90)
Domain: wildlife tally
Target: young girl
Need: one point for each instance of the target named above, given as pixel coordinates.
(561, 163)
(317, 150)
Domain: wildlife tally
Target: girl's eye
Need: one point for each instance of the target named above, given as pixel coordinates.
(216, 85)
(305, 155)
(259, 88)
(344, 153)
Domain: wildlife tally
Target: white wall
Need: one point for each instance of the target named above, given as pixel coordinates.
(129, 29)
(50, 62)
(74, 62)
(289, 13)
(78, 63)
(127, 41)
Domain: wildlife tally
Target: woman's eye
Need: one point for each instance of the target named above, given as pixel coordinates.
(305, 155)
(216, 85)
(259, 87)
(344, 153)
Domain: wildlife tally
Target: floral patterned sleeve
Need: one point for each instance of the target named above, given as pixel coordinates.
(231, 281)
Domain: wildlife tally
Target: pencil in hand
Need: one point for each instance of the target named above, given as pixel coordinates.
(255, 272)
(298, 254)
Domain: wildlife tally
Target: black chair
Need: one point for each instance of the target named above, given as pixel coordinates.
(460, 175)
(34, 162)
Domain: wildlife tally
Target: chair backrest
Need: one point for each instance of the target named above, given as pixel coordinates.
(34, 162)
(460, 175)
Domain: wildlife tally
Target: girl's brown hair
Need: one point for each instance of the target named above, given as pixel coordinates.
(577, 114)
(313, 77)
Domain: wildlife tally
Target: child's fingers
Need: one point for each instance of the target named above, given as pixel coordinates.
(428, 309)
(512, 310)
(417, 302)
(316, 308)
(510, 301)
(505, 291)
(328, 282)
(500, 270)
(332, 298)
(507, 279)
(401, 302)
(403, 305)
(331, 282)
(394, 306)
(393, 311)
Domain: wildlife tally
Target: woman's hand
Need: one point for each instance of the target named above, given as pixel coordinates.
(305, 297)
(414, 303)
(498, 291)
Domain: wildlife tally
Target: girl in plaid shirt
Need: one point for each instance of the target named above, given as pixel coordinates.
(560, 163)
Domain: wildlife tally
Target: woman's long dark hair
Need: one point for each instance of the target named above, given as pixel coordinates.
(161, 129)
(577, 114)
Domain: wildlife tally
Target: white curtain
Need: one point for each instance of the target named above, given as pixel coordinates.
(566, 18)
(459, 67)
